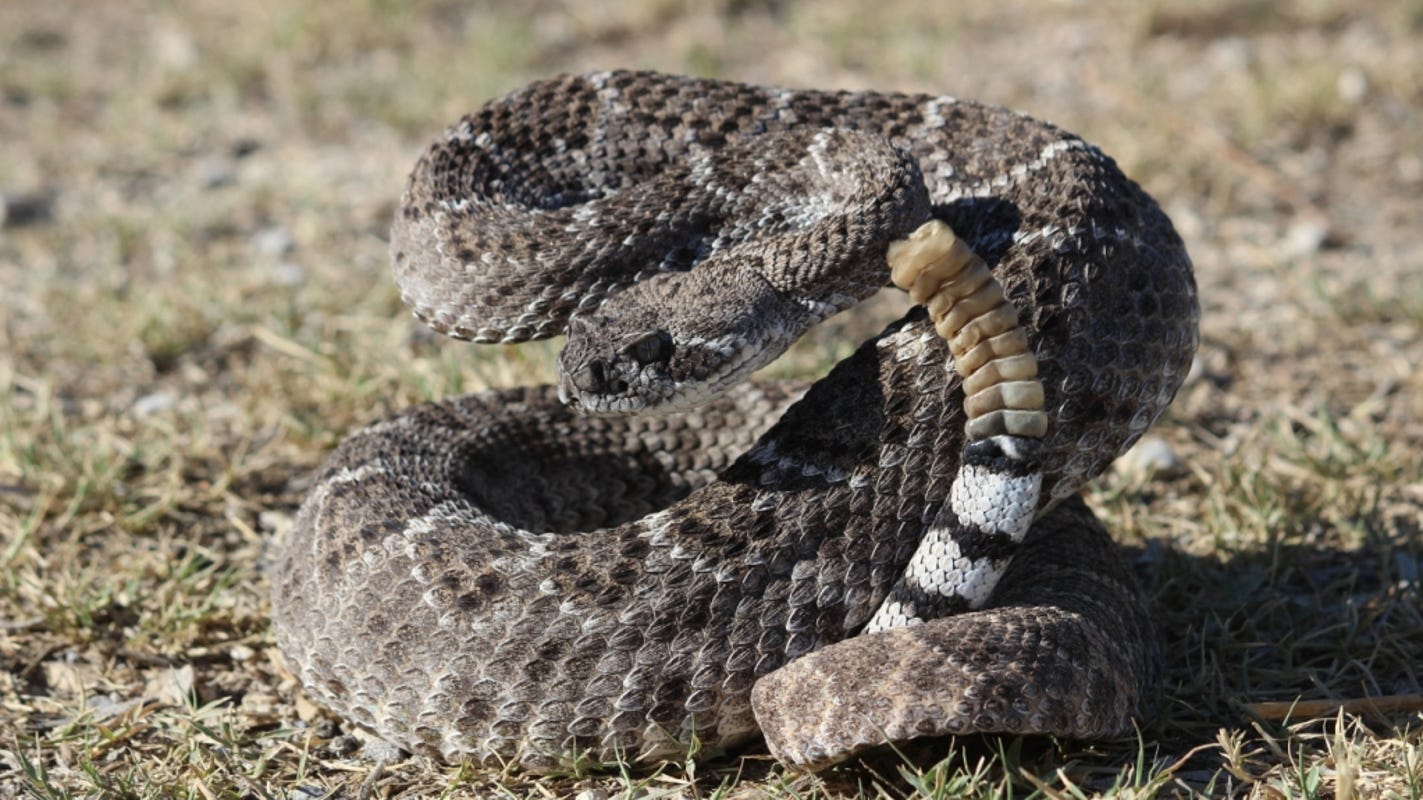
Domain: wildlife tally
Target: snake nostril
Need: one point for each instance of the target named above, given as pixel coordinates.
(592, 377)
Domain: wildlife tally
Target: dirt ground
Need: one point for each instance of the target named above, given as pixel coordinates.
(196, 307)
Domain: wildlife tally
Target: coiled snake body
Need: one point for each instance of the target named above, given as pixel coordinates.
(507, 577)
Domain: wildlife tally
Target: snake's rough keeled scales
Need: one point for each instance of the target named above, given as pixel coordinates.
(500, 577)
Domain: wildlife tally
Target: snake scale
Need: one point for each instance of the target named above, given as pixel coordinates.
(540, 576)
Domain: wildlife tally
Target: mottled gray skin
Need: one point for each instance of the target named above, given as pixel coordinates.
(762, 284)
(501, 578)
(633, 355)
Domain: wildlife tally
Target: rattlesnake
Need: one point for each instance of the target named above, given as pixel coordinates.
(506, 577)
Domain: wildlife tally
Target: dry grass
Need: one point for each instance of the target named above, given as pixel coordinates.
(196, 308)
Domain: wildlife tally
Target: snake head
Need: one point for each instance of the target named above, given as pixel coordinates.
(675, 341)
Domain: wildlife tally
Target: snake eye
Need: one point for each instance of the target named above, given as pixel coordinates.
(650, 347)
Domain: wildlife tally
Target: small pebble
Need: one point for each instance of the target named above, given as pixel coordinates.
(1152, 455)
(1306, 236)
(154, 403)
(274, 521)
(273, 241)
(1353, 85)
